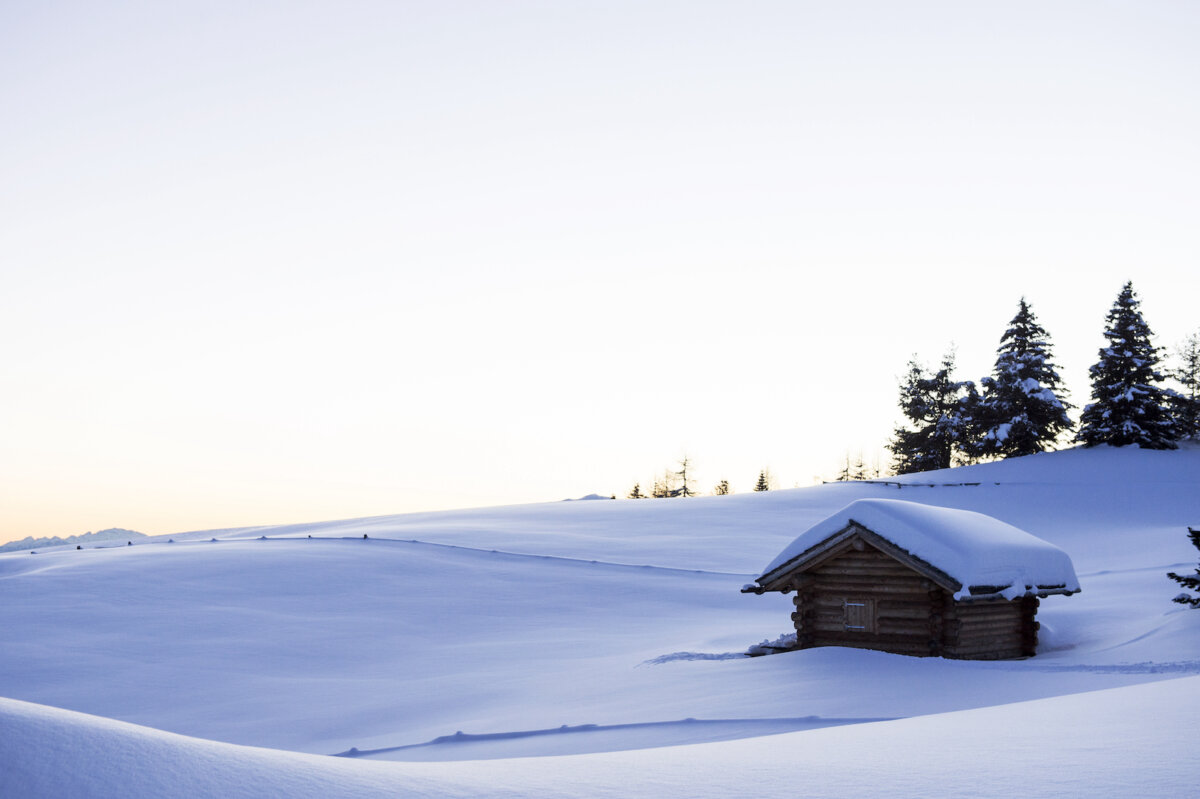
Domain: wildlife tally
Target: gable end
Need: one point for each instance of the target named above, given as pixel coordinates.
(839, 542)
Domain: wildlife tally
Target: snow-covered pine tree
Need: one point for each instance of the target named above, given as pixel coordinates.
(1021, 410)
(764, 481)
(1128, 407)
(636, 493)
(722, 489)
(1192, 581)
(936, 407)
(1186, 404)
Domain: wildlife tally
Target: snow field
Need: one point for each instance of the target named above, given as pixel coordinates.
(620, 621)
(1126, 742)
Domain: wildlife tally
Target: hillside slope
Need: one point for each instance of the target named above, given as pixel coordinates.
(581, 627)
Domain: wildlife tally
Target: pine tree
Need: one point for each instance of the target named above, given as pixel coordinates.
(636, 493)
(859, 472)
(722, 489)
(937, 408)
(1128, 405)
(844, 474)
(764, 481)
(853, 470)
(1186, 404)
(1021, 410)
(684, 489)
(1192, 581)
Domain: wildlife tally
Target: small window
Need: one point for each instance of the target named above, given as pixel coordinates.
(859, 615)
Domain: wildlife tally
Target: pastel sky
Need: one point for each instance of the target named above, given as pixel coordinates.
(284, 261)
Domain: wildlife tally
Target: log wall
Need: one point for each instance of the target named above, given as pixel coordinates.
(905, 612)
(906, 608)
(992, 629)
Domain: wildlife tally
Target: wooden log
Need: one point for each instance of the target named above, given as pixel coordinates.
(991, 618)
(989, 610)
(1010, 649)
(842, 635)
(864, 556)
(987, 621)
(845, 587)
(980, 609)
(870, 575)
(1010, 612)
(864, 568)
(989, 628)
(872, 578)
(988, 644)
(969, 638)
(914, 611)
(913, 649)
(891, 643)
(1002, 655)
(989, 641)
(896, 602)
(897, 628)
(982, 622)
(875, 567)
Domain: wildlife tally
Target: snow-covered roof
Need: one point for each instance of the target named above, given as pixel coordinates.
(972, 549)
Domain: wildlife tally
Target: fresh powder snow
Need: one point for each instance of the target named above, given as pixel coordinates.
(612, 635)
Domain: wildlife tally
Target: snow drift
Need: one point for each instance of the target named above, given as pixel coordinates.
(615, 631)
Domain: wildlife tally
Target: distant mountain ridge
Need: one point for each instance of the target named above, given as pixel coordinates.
(30, 542)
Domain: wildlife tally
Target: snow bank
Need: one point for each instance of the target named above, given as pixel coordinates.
(1115, 743)
(972, 548)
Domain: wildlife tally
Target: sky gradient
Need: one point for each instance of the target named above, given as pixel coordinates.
(275, 262)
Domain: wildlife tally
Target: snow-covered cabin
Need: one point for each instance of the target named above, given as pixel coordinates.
(918, 580)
